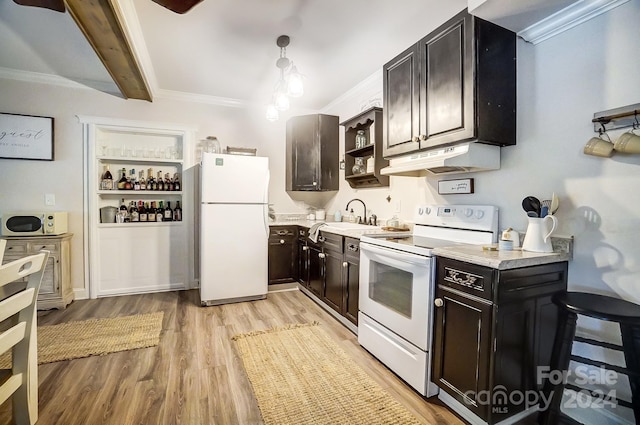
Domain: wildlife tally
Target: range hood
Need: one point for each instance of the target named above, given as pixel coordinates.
(462, 158)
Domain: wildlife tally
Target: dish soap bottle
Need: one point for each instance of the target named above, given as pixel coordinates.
(337, 216)
(352, 218)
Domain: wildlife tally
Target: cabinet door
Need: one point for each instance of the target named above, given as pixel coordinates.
(282, 260)
(333, 292)
(401, 104)
(462, 346)
(446, 83)
(303, 263)
(351, 279)
(304, 153)
(316, 270)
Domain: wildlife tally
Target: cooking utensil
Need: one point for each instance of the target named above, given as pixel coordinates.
(531, 204)
(555, 203)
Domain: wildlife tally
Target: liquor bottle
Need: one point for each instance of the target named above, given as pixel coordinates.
(168, 212)
(159, 212)
(133, 212)
(123, 180)
(151, 183)
(150, 213)
(168, 183)
(124, 212)
(143, 182)
(142, 212)
(176, 182)
(107, 179)
(128, 185)
(159, 181)
(177, 212)
(134, 178)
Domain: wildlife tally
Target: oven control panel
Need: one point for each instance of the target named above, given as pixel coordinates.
(470, 217)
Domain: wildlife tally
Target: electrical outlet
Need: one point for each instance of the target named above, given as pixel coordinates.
(49, 199)
(398, 207)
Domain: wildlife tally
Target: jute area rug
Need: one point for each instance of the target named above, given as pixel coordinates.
(301, 377)
(95, 337)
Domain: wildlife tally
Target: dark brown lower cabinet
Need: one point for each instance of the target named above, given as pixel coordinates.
(492, 330)
(330, 269)
(283, 254)
(351, 279)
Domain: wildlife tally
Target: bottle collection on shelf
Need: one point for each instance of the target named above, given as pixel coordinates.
(131, 182)
(148, 212)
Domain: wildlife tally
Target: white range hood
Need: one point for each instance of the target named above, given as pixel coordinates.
(462, 158)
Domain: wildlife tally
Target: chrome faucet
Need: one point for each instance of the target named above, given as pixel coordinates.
(364, 218)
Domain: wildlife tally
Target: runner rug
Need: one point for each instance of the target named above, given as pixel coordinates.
(300, 376)
(95, 337)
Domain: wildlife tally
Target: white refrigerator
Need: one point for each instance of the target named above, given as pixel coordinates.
(234, 228)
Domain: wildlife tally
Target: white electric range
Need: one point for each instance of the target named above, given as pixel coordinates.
(397, 286)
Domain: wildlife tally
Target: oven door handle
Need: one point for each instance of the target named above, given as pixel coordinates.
(405, 257)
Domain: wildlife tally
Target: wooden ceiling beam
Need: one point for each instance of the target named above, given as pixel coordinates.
(99, 22)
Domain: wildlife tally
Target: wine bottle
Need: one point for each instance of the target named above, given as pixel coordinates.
(177, 212)
(176, 182)
(159, 181)
(151, 183)
(134, 178)
(107, 179)
(123, 180)
(168, 212)
(133, 212)
(159, 212)
(142, 212)
(168, 183)
(143, 182)
(128, 185)
(124, 212)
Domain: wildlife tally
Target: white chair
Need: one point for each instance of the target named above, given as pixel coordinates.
(18, 315)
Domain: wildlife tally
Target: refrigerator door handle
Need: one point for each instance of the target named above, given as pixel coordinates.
(265, 208)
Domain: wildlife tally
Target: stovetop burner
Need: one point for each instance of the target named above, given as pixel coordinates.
(443, 225)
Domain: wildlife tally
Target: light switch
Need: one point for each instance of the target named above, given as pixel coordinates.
(49, 199)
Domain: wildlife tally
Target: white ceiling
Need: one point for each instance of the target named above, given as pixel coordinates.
(225, 50)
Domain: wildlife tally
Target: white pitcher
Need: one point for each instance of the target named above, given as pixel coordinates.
(537, 238)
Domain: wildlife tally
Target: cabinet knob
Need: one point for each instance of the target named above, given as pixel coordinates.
(321, 255)
(345, 264)
(281, 241)
(415, 139)
(438, 302)
(305, 248)
(423, 137)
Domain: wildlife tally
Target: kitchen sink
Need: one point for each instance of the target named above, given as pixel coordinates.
(349, 226)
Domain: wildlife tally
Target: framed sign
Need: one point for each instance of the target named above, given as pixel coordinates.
(449, 187)
(26, 137)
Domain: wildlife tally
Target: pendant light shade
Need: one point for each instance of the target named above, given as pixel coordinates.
(289, 84)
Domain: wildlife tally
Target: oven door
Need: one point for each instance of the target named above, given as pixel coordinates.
(395, 291)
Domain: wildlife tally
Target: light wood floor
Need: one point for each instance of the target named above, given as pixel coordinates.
(194, 376)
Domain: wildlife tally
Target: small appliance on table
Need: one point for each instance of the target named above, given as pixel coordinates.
(397, 286)
(234, 228)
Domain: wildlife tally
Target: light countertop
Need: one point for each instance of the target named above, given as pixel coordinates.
(500, 260)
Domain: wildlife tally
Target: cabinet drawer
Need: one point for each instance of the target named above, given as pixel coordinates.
(466, 277)
(36, 247)
(352, 249)
(332, 241)
(280, 231)
(15, 248)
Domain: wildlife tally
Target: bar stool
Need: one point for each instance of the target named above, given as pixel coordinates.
(625, 313)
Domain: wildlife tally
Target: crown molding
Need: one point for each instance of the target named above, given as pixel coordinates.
(567, 18)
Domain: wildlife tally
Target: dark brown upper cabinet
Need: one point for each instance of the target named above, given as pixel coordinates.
(312, 153)
(456, 84)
